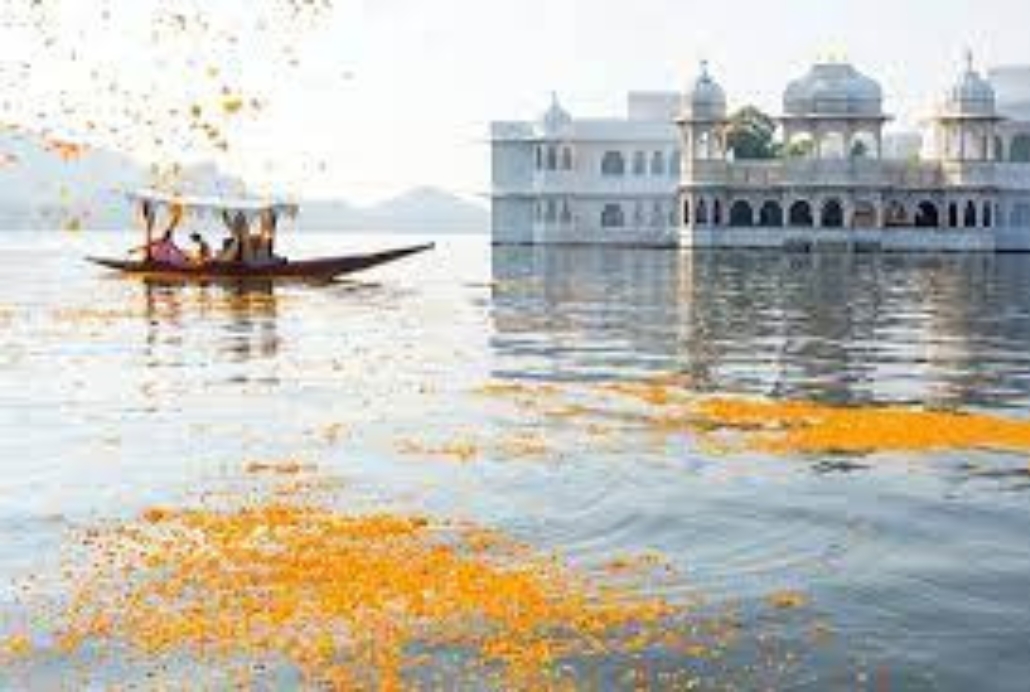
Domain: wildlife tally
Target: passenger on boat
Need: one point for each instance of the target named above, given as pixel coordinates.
(166, 251)
(229, 252)
(202, 254)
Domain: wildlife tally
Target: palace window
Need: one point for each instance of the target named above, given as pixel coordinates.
(701, 215)
(927, 215)
(658, 163)
(969, 221)
(801, 214)
(552, 158)
(612, 216)
(613, 164)
(566, 159)
(771, 215)
(833, 214)
(741, 214)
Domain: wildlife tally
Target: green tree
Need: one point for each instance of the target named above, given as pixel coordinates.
(751, 135)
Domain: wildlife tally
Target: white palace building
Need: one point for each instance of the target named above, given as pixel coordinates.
(664, 175)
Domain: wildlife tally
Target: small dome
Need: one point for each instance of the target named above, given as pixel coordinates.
(556, 119)
(705, 99)
(971, 94)
(833, 89)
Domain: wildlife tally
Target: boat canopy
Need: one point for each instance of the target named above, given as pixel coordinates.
(215, 206)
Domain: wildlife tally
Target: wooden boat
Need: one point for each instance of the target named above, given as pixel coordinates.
(255, 259)
(321, 269)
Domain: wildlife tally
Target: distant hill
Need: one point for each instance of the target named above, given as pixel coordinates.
(46, 185)
(420, 210)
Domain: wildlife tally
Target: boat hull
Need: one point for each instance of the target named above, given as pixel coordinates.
(320, 269)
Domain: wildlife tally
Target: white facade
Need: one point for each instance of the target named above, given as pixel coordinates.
(844, 182)
(613, 180)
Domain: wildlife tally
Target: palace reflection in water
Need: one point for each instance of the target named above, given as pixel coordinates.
(944, 330)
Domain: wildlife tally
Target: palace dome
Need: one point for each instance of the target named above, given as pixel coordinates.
(705, 99)
(971, 94)
(556, 119)
(833, 89)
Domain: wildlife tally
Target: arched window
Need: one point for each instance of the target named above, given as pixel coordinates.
(539, 158)
(717, 213)
(771, 215)
(987, 216)
(1019, 151)
(864, 215)
(969, 221)
(639, 163)
(552, 158)
(952, 215)
(675, 163)
(801, 213)
(832, 145)
(613, 164)
(686, 212)
(612, 216)
(566, 159)
(895, 215)
(833, 214)
(658, 163)
(741, 214)
(927, 215)
(701, 217)
(566, 212)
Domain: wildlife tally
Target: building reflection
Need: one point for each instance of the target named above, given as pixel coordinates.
(837, 327)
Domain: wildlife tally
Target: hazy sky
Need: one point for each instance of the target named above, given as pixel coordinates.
(386, 94)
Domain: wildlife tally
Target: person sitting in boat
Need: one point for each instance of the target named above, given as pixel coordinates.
(165, 251)
(235, 248)
(201, 255)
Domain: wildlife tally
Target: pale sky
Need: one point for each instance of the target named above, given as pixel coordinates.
(387, 94)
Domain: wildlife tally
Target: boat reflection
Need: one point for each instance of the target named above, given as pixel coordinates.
(246, 314)
(940, 331)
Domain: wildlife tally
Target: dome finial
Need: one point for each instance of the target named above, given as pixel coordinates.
(969, 60)
(704, 69)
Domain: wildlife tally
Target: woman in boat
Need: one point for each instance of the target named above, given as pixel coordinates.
(165, 251)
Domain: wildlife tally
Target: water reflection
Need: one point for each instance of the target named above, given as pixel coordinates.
(246, 314)
(942, 331)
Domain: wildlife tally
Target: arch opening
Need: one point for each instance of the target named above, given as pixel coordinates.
(927, 215)
(801, 214)
(832, 214)
(969, 218)
(770, 215)
(741, 214)
(895, 215)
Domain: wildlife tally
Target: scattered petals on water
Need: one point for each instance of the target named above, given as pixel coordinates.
(787, 600)
(353, 599)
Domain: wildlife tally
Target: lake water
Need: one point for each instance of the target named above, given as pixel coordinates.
(476, 384)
